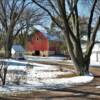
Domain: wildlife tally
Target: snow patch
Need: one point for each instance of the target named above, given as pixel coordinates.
(98, 87)
(39, 76)
(49, 59)
(46, 84)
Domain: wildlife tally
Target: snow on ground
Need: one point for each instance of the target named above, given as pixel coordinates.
(98, 87)
(95, 63)
(49, 59)
(9, 89)
(92, 63)
(46, 75)
(16, 67)
(46, 84)
(38, 76)
(21, 65)
(60, 83)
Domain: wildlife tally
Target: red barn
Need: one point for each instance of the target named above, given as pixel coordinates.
(38, 44)
(55, 47)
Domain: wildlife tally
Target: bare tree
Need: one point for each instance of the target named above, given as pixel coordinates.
(67, 10)
(29, 18)
(97, 8)
(13, 20)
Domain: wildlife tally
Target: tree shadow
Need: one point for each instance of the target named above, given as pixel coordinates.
(75, 93)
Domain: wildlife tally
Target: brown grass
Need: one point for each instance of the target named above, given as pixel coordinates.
(67, 75)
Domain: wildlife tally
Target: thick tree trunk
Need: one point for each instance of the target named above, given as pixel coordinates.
(81, 64)
(83, 70)
(8, 51)
(8, 46)
(83, 67)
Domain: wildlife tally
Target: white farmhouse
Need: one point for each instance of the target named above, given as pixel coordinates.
(17, 51)
(95, 56)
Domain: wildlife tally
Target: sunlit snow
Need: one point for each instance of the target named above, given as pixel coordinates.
(38, 76)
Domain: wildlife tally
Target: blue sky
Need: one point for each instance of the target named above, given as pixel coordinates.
(83, 8)
(83, 11)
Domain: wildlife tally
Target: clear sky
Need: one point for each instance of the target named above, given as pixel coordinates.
(83, 10)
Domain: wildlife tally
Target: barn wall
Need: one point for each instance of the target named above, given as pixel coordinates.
(41, 43)
(38, 43)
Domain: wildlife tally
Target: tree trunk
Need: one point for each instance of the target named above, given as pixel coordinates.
(7, 51)
(4, 77)
(83, 67)
(83, 70)
(81, 63)
(8, 46)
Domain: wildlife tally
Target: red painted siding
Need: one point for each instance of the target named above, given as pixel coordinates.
(38, 42)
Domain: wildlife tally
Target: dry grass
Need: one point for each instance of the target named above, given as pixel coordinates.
(95, 71)
(67, 75)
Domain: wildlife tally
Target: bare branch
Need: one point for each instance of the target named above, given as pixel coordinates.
(73, 9)
(92, 39)
(93, 35)
(91, 19)
(53, 7)
(77, 22)
(52, 17)
(68, 29)
(4, 15)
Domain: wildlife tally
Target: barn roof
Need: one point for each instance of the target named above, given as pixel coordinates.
(40, 34)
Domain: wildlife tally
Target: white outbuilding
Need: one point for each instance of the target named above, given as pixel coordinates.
(95, 56)
(17, 51)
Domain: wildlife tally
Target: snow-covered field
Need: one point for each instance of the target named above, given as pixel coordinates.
(26, 76)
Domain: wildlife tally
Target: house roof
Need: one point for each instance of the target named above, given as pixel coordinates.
(18, 48)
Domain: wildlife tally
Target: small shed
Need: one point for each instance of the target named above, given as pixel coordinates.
(17, 51)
